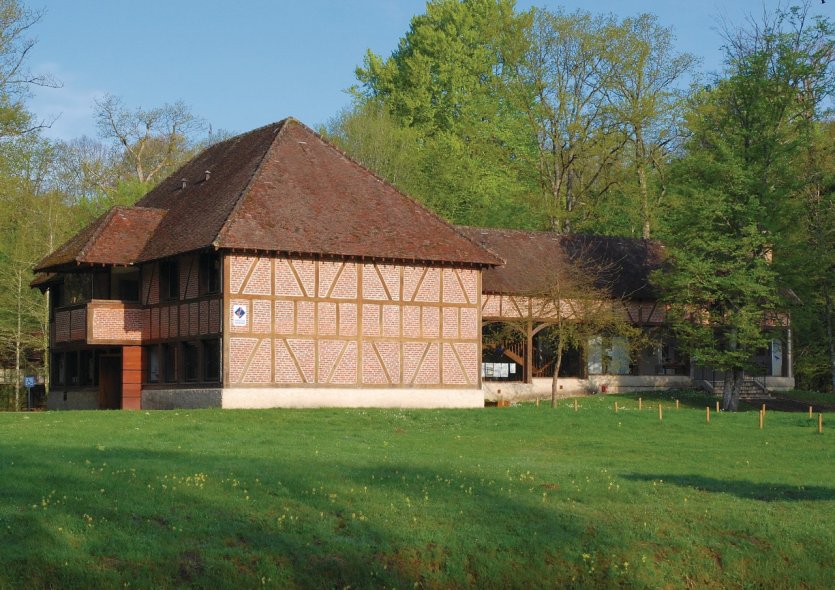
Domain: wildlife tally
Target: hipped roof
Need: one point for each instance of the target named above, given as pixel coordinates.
(280, 188)
(533, 258)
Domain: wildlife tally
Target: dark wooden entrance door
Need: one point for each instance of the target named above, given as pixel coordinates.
(110, 382)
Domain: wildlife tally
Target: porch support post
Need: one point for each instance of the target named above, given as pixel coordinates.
(529, 353)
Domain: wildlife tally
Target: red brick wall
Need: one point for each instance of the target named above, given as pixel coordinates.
(352, 324)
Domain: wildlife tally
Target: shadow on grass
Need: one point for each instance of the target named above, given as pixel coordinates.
(266, 521)
(765, 492)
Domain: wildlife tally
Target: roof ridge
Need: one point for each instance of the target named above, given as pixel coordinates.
(282, 124)
(401, 193)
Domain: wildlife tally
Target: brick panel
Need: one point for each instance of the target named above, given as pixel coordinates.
(391, 278)
(346, 370)
(214, 316)
(389, 351)
(327, 319)
(372, 369)
(261, 366)
(78, 324)
(391, 321)
(411, 279)
(372, 284)
(328, 272)
(411, 321)
(260, 281)
(412, 355)
(370, 319)
(304, 317)
(193, 287)
(304, 351)
(429, 372)
(469, 323)
(491, 306)
(453, 372)
(285, 280)
(204, 317)
(193, 319)
(451, 322)
(430, 320)
(238, 269)
(430, 289)
(153, 290)
(262, 316)
(286, 370)
(468, 353)
(154, 328)
(285, 317)
(306, 269)
(240, 349)
(174, 321)
(469, 280)
(62, 326)
(453, 293)
(329, 351)
(163, 322)
(183, 320)
(348, 319)
(346, 283)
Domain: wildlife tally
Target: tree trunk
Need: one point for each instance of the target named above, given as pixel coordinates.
(828, 311)
(18, 342)
(644, 190)
(556, 379)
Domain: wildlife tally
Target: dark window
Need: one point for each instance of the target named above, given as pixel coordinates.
(89, 376)
(59, 368)
(152, 364)
(72, 368)
(101, 285)
(211, 360)
(78, 288)
(169, 280)
(191, 361)
(126, 283)
(209, 272)
(169, 362)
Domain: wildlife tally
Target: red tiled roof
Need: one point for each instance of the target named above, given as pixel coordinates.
(117, 237)
(279, 188)
(531, 258)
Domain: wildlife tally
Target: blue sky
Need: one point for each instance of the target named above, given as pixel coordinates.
(240, 65)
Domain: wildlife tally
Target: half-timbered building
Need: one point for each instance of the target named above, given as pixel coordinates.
(520, 293)
(270, 270)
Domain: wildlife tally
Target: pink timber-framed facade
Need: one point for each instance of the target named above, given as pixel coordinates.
(269, 271)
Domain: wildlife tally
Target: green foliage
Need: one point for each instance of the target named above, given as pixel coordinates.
(437, 499)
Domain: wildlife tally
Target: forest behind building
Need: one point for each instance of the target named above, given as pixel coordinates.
(570, 122)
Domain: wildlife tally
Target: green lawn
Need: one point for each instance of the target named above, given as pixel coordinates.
(521, 497)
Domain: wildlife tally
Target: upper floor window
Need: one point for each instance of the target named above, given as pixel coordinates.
(77, 288)
(169, 280)
(125, 283)
(209, 272)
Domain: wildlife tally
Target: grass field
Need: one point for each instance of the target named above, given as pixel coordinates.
(520, 497)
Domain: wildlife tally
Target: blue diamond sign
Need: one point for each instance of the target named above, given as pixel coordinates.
(239, 315)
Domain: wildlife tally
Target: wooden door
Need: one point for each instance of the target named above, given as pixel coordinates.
(110, 382)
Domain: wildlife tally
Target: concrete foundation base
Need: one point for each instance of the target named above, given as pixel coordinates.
(74, 399)
(351, 398)
(170, 399)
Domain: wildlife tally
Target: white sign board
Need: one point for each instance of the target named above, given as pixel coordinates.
(240, 316)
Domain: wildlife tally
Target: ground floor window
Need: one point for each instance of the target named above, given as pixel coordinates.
(191, 361)
(211, 360)
(169, 362)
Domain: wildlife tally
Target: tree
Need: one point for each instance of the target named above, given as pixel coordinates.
(446, 84)
(152, 142)
(15, 78)
(648, 102)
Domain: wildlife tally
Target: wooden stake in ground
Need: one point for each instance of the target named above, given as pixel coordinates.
(660, 411)
(616, 407)
(717, 407)
(820, 423)
(810, 411)
(640, 404)
(676, 404)
(575, 405)
(537, 401)
(762, 417)
(707, 414)
(763, 409)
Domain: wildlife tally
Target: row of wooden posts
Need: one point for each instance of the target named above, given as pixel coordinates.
(707, 411)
